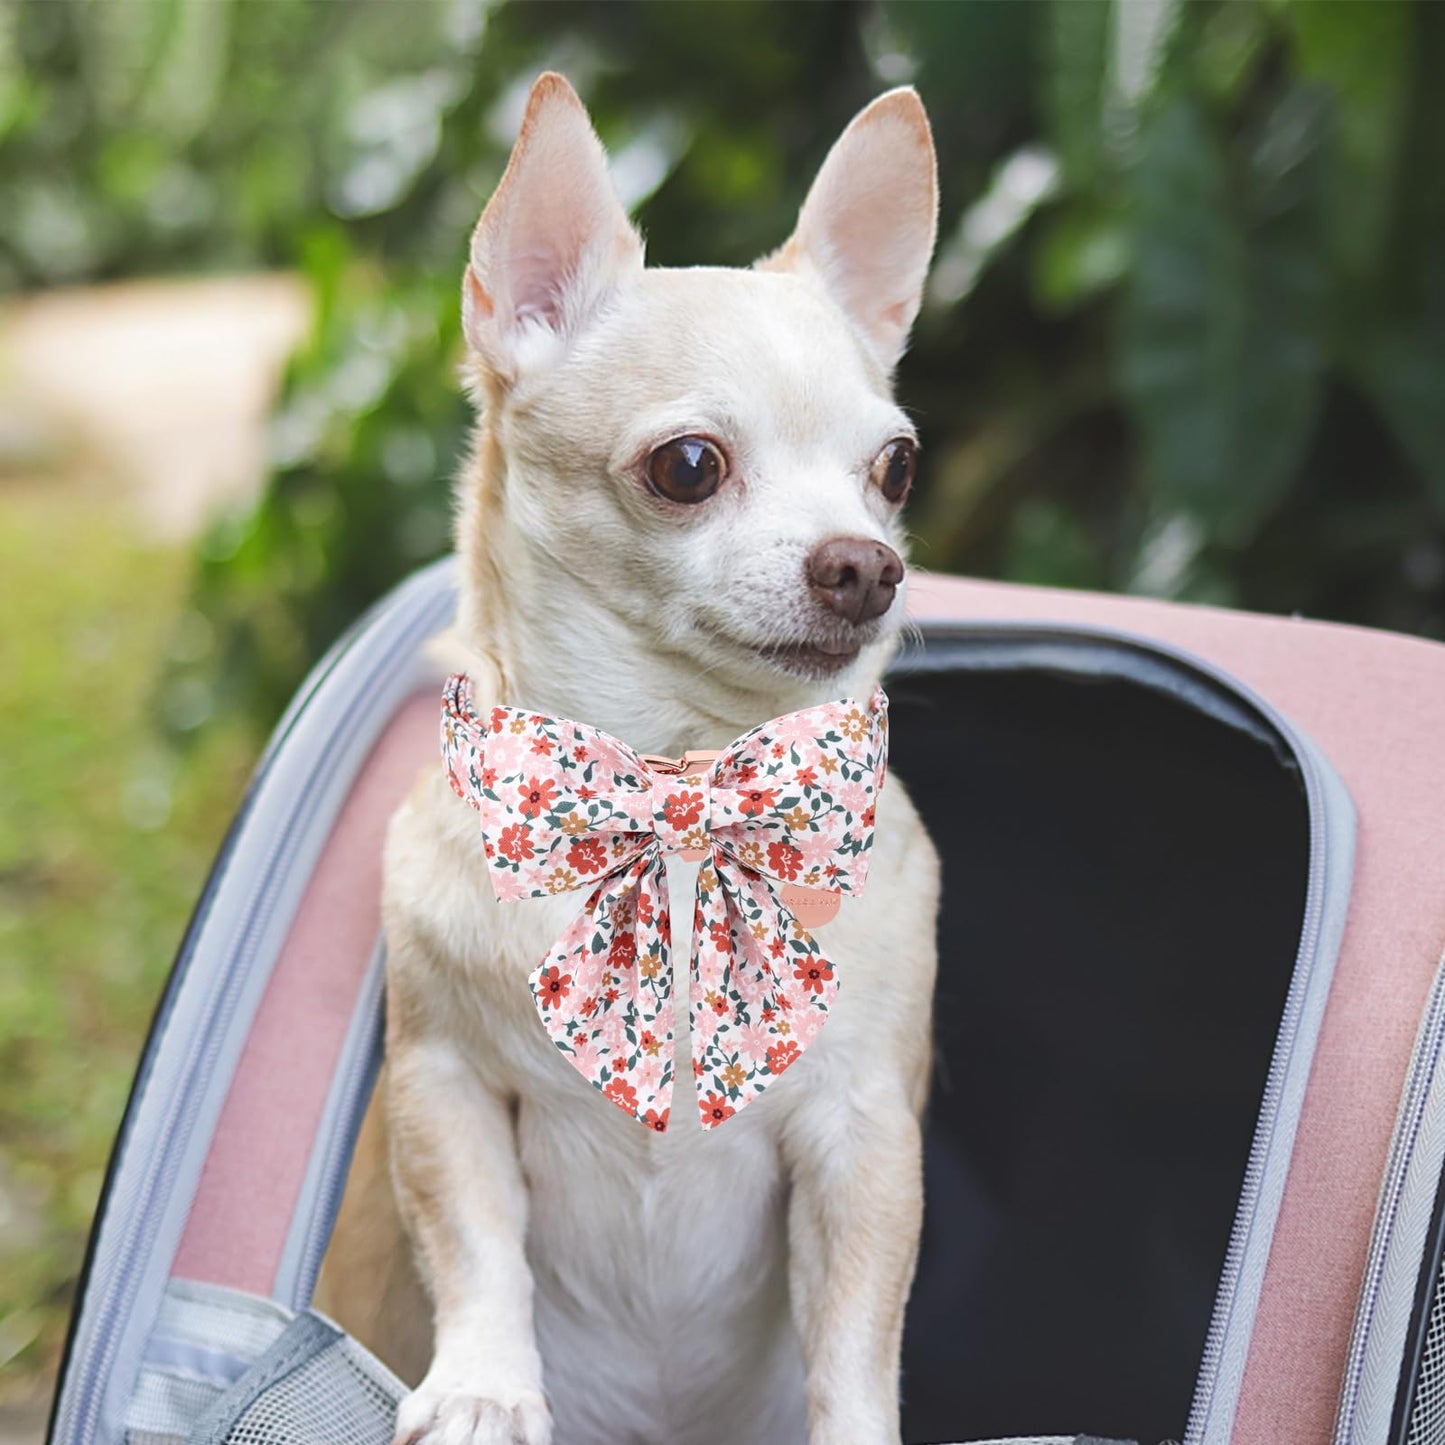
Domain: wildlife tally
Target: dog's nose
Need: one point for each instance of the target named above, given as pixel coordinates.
(855, 577)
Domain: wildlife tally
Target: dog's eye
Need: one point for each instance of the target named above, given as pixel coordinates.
(893, 469)
(689, 469)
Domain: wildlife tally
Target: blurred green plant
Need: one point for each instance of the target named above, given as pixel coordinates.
(1185, 334)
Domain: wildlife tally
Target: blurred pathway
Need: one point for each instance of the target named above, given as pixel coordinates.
(158, 387)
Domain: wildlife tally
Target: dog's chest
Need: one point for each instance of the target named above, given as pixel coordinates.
(660, 1270)
(622, 1219)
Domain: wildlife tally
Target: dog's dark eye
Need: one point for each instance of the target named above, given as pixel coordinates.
(689, 469)
(894, 467)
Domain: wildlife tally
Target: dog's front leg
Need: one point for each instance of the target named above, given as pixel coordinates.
(461, 1192)
(853, 1226)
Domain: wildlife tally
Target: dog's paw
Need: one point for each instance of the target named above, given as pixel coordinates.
(432, 1416)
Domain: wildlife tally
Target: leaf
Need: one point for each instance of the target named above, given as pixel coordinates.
(1400, 358)
(1359, 54)
(1222, 351)
(1082, 252)
(1403, 373)
(1077, 35)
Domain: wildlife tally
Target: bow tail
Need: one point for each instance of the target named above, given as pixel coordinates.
(761, 989)
(604, 992)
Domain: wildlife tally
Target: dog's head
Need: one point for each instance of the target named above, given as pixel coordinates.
(707, 463)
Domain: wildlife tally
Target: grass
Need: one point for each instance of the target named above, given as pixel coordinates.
(106, 834)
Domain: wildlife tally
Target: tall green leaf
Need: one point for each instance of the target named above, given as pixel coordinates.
(1222, 347)
(1075, 80)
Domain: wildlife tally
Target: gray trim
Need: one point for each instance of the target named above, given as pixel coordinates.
(1398, 1241)
(302, 1340)
(1094, 653)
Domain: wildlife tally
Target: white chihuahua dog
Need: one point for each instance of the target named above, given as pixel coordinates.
(681, 519)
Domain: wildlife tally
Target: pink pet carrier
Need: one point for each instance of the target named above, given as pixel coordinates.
(1187, 1131)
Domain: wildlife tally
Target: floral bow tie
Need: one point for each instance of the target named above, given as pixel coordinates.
(565, 806)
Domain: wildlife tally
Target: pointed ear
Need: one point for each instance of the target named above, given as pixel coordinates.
(866, 230)
(553, 243)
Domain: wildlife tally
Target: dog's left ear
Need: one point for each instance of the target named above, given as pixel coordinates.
(553, 244)
(867, 228)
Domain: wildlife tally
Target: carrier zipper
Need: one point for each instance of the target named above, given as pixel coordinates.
(1424, 1066)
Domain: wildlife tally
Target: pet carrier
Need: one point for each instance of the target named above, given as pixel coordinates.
(1187, 1132)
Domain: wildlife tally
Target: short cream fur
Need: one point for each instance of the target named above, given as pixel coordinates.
(545, 1268)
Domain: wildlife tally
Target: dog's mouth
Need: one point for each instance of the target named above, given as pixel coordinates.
(811, 658)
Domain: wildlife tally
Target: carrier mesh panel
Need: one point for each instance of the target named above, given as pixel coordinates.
(335, 1398)
(1427, 1409)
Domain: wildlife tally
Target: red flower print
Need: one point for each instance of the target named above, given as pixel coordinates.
(697, 1068)
(719, 1005)
(781, 1055)
(621, 1093)
(715, 1109)
(579, 753)
(589, 1005)
(553, 986)
(537, 796)
(784, 859)
(611, 995)
(758, 801)
(516, 843)
(867, 817)
(745, 774)
(588, 855)
(623, 951)
(644, 908)
(722, 935)
(769, 1013)
(682, 810)
(812, 973)
(777, 948)
(498, 718)
(586, 793)
(489, 778)
(542, 747)
(657, 1121)
(807, 778)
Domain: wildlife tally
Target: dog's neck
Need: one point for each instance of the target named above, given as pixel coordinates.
(567, 654)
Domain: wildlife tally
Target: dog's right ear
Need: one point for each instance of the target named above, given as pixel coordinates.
(553, 243)
(867, 227)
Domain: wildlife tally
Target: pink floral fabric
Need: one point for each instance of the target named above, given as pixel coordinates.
(566, 806)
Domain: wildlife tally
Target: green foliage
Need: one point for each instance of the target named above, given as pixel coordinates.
(1188, 308)
(1188, 312)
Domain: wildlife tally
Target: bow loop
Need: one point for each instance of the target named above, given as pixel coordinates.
(566, 806)
(799, 794)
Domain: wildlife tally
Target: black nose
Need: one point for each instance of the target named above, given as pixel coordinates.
(854, 576)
